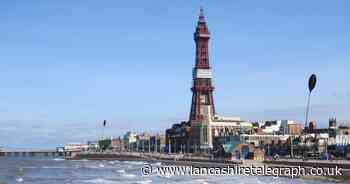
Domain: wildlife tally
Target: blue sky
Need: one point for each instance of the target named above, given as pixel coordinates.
(67, 65)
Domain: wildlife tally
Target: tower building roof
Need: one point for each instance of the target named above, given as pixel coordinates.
(202, 29)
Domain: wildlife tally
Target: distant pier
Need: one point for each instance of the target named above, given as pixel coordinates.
(32, 153)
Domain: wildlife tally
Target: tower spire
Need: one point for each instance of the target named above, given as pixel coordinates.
(201, 14)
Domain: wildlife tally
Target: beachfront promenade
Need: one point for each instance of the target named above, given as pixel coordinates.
(190, 158)
(182, 159)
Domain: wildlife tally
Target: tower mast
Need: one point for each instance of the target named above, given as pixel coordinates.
(202, 90)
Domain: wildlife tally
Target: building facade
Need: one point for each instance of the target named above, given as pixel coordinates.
(129, 141)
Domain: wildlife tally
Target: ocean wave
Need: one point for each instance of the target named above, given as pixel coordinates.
(99, 181)
(82, 160)
(19, 180)
(129, 175)
(99, 166)
(134, 162)
(201, 181)
(59, 159)
(157, 163)
(54, 167)
(167, 175)
(144, 181)
(121, 171)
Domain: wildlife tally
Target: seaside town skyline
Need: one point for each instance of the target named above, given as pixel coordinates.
(149, 90)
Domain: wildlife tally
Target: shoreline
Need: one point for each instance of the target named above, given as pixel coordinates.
(202, 162)
(168, 159)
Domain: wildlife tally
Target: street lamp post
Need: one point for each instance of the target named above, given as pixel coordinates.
(312, 84)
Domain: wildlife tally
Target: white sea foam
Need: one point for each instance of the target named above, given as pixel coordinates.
(201, 181)
(121, 171)
(259, 182)
(144, 181)
(54, 167)
(167, 175)
(59, 159)
(92, 167)
(129, 175)
(100, 181)
(134, 162)
(19, 180)
(82, 160)
(99, 166)
(111, 162)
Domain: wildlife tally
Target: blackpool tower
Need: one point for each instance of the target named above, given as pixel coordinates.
(202, 108)
(202, 97)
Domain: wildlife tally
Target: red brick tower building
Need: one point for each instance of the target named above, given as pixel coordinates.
(202, 133)
(202, 97)
(202, 108)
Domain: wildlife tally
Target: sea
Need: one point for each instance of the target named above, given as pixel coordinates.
(33, 170)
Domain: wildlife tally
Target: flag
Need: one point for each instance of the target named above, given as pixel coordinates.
(104, 123)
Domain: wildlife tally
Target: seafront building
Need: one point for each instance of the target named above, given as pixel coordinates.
(143, 142)
(76, 147)
(281, 127)
(262, 139)
(117, 144)
(129, 140)
(157, 143)
(342, 136)
(93, 145)
(334, 140)
(247, 141)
